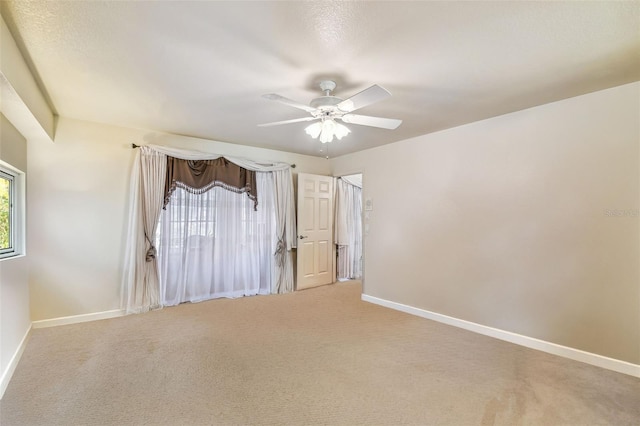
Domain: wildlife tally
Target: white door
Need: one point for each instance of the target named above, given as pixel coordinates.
(316, 252)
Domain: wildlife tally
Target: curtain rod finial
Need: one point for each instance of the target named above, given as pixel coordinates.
(293, 166)
(133, 145)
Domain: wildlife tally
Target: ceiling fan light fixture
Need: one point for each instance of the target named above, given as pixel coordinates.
(326, 130)
(341, 131)
(314, 130)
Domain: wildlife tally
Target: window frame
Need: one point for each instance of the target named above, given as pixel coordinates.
(17, 204)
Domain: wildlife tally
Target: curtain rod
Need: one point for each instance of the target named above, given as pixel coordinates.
(134, 146)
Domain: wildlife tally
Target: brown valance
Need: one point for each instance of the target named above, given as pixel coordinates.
(198, 176)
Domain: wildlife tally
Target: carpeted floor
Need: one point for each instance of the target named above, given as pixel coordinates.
(319, 356)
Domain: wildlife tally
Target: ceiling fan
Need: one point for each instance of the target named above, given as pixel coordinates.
(328, 108)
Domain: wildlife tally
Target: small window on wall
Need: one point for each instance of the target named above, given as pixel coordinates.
(12, 230)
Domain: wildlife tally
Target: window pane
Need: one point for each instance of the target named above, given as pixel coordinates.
(5, 213)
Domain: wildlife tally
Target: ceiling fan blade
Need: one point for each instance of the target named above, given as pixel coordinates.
(368, 96)
(295, 120)
(287, 101)
(367, 120)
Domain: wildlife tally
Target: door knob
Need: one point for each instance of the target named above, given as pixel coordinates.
(302, 237)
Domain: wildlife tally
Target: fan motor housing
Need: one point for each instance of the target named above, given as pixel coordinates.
(325, 102)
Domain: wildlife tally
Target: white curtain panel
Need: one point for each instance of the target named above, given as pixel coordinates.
(348, 230)
(140, 283)
(285, 231)
(216, 245)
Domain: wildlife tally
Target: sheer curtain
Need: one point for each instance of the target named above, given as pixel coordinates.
(348, 230)
(215, 244)
(140, 282)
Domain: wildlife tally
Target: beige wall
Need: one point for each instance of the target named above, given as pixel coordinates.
(77, 196)
(14, 286)
(526, 222)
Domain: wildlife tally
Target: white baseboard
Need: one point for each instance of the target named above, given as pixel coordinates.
(13, 363)
(529, 342)
(78, 318)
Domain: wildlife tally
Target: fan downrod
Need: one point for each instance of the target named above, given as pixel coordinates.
(327, 86)
(326, 101)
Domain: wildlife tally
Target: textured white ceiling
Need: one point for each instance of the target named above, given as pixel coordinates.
(200, 68)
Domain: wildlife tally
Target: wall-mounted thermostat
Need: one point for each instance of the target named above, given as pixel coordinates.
(368, 204)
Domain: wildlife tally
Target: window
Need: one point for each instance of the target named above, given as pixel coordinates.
(215, 244)
(11, 212)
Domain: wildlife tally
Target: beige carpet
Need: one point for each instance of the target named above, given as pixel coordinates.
(319, 356)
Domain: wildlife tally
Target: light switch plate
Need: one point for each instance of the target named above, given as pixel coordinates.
(368, 204)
